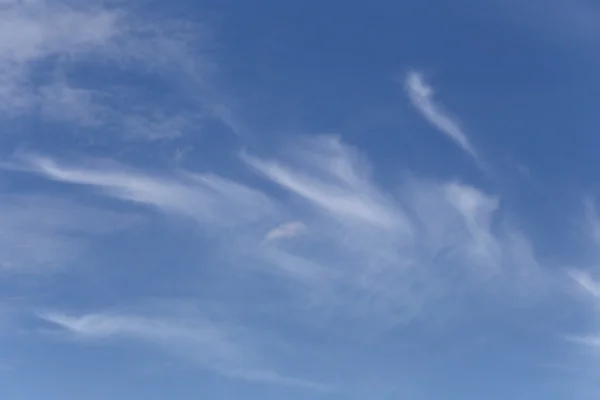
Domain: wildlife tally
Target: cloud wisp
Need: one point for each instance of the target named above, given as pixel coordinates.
(40, 71)
(298, 265)
(587, 283)
(382, 246)
(192, 337)
(286, 230)
(205, 198)
(373, 259)
(335, 187)
(45, 233)
(421, 94)
(589, 287)
(36, 30)
(393, 253)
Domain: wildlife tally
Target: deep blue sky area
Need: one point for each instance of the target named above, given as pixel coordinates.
(302, 200)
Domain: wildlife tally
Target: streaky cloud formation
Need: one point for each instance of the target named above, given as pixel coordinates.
(44, 233)
(194, 338)
(287, 230)
(155, 205)
(336, 187)
(382, 261)
(35, 30)
(589, 286)
(591, 341)
(586, 282)
(44, 43)
(476, 209)
(202, 197)
(592, 220)
(380, 247)
(421, 97)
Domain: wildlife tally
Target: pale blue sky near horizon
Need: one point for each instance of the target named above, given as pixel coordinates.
(301, 200)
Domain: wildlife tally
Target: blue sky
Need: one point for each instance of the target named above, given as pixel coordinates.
(300, 200)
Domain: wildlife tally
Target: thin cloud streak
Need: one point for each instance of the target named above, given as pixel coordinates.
(194, 337)
(335, 187)
(381, 247)
(592, 220)
(369, 253)
(204, 198)
(476, 210)
(35, 30)
(67, 36)
(40, 234)
(287, 230)
(586, 282)
(591, 341)
(421, 97)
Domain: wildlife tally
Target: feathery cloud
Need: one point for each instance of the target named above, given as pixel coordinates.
(204, 198)
(592, 221)
(33, 31)
(476, 209)
(381, 247)
(287, 230)
(589, 341)
(421, 97)
(586, 282)
(46, 43)
(384, 254)
(195, 338)
(335, 186)
(42, 233)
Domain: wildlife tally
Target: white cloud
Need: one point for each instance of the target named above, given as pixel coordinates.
(368, 253)
(193, 337)
(59, 101)
(395, 256)
(586, 282)
(41, 233)
(287, 230)
(334, 186)
(32, 31)
(476, 210)
(591, 341)
(456, 221)
(45, 44)
(421, 97)
(204, 198)
(37, 29)
(297, 267)
(589, 288)
(592, 220)
(159, 125)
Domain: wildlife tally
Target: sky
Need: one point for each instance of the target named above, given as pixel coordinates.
(303, 200)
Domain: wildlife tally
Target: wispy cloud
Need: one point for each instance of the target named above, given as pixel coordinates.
(152, 125)
(311, 245)
(287, 230)
(591, 341)
(380, 246)
(592, 220)
(196, 338)
(476, 210)
(421, 94)
(370, 252)
(204, 198)
(43, 233)
(334, 185)
(32, 31)
(588, 289)
(47, 43)
(586, 282)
